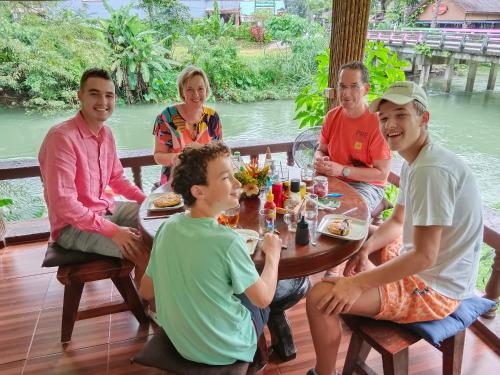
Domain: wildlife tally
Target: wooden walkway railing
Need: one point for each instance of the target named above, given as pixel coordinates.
(474, 43)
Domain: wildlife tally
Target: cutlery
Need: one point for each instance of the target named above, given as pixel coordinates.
(334, 195)
(253, 238)
(156, 217)
(349, 211)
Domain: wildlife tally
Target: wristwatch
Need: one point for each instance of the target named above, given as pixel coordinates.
(346, 172)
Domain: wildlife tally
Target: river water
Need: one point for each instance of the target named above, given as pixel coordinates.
(467, 123)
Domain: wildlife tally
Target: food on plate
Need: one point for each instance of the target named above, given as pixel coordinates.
(167, 200)
(340, 227)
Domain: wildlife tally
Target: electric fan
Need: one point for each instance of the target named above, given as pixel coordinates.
(305, 146)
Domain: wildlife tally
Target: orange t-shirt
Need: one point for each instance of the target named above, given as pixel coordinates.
(354, 142)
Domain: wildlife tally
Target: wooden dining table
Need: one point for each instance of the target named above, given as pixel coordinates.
(296, 261)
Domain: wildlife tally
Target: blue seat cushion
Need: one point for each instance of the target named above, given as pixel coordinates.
(435, 331)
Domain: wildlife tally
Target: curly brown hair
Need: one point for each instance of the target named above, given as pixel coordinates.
(191, 169)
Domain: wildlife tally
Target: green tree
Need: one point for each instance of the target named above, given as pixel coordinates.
(42, 56)
(168, 17)
(136, 55)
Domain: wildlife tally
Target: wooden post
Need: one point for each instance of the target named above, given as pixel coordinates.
(137, 173)
(424, 74)
(492, 77)
(471, 76)
(348, 37)
(448, 74)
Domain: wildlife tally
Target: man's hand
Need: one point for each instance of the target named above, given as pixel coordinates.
(129, 241)
(344, 293)
(327, 167)
(271, 246)
(357, 263)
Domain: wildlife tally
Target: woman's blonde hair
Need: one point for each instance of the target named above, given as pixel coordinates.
(187, 73)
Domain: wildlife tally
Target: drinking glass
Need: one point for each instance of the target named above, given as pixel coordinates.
(231, 217)
(283, 172)
(273, 171)
(266, 221)
(311, 207)
(307, 174)
(291, 216)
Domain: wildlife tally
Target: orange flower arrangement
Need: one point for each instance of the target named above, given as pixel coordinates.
(252, 178)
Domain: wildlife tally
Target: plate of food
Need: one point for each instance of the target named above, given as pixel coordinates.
(345, 227)
(164, 201)
(251, 238)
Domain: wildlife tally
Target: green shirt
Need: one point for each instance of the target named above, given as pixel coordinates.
(197, 267)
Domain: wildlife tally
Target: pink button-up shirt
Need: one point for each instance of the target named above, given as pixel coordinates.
(76, 167)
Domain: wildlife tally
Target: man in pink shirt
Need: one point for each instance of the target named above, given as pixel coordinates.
(78, 161)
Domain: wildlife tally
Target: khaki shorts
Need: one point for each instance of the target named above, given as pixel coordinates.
(410, 299)
(72, 238)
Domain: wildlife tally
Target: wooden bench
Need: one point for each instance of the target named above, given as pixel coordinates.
(76, 269)
(392, 341)
(159, 352)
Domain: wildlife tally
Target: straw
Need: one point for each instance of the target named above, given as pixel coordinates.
(281, 167)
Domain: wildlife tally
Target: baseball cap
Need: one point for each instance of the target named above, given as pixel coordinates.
(402, 92)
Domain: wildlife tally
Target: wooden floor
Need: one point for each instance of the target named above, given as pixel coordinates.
(30, 316)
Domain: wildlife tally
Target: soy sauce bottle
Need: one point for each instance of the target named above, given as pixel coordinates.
(302, 233)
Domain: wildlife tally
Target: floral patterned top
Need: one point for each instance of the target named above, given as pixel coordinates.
(170, 129)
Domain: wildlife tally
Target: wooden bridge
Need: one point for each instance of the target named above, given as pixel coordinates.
(435, 46)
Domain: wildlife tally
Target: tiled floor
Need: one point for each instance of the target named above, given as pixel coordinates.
(30, 318)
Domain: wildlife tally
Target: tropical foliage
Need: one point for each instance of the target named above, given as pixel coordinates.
(42, 58)
(168, 17)
(136, 55)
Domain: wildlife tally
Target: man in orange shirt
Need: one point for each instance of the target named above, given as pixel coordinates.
(351, 146)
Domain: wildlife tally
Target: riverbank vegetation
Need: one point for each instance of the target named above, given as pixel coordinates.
(44, 52)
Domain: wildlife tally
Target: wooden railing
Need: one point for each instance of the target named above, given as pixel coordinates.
(14, 169)
(135, 160)
(454, 41)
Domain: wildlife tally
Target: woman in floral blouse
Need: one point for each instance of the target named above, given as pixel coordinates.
(190, 121)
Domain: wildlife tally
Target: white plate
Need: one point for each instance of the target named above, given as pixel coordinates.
(151, 207)
(250, 237)
(359, 228)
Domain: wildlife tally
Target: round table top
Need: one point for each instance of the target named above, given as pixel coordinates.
(296, 261)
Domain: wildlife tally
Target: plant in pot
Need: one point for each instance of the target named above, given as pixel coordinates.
(4, 202)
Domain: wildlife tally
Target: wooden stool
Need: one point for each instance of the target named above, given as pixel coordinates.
(392, 340)
(77, 268)
(159, 352)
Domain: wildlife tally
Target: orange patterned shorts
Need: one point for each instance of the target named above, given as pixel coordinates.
(410, 300)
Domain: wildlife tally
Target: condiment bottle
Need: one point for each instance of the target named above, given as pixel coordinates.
(270, 205)
(302, 233)
(291, 205)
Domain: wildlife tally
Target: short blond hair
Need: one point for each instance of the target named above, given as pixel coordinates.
(187, 73)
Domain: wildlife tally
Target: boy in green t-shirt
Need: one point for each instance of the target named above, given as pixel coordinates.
(209, 298)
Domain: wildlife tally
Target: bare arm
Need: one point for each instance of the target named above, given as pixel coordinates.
(163, 155)
(147, 290)
(378, 172)
(426, 248)
(390, 230)
(261, 293)
(347, 290)
(387, 232)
